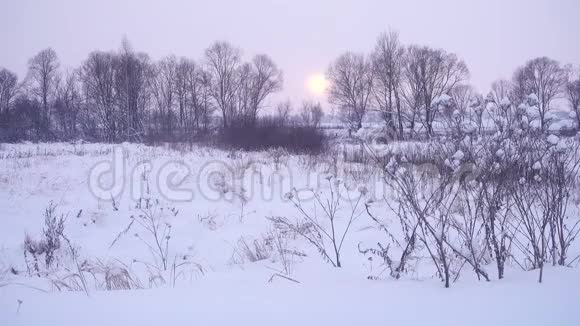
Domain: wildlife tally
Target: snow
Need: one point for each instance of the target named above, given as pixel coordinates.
(469, 127)
(207, 228)
(505, 102)
(553, 139)
(525, 120)
(562, 125)
(500, 153)
(334, 298)
(533, 99)
(532, 111)
(448, 163)
(536, 124)
(562, 145)
(442, 99)
(458, 155)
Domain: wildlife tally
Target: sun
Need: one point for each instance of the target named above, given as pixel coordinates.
(317, 84)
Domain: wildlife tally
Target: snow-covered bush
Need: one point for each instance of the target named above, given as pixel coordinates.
(105, 276)
(504, 196)
(323, 233)
(257, 250)
(548, 178)
(152, 227)
(63, 268)
(277, 156)
(423, 199)
(48, 245)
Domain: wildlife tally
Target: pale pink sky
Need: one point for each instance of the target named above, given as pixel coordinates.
(303, 37)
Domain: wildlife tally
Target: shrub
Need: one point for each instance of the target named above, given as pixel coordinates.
(326, 234)
(268, 134)
(49, 243)
(257, 250)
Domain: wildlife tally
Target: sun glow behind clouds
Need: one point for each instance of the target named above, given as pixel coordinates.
(317, 84)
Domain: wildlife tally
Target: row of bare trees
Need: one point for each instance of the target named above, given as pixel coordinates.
(405, 84)
(399, 82)
(124, 95)
(240, 89)
(114, 93)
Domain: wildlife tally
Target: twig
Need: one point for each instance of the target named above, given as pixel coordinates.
(282, 276)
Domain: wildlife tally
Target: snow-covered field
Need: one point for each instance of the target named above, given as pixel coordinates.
(218, 259)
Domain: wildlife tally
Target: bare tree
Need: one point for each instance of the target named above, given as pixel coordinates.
(431, 73)
(311, 114)
(68, 104)
(116, 89)
(200, 93)
(306, 113)
(266, 79)
(163, 87)
(8, 90)
(500, 103)
(185, 67)
(462, 96)
(240, 89)
(317, 115)
(98, 78)
(241, 112)
(42, 76)
(388, 60)
(351, 83)
(131, 88)
(477, 110)
(223, 61)
(283, 111)
(573, 96)
(412, 98)
(542, 77)
(501, 91)
(192, 95)
(255, 80)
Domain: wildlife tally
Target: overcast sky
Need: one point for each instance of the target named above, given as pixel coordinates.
(302, 36)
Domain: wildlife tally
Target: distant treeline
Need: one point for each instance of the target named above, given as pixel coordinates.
(123, 95)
